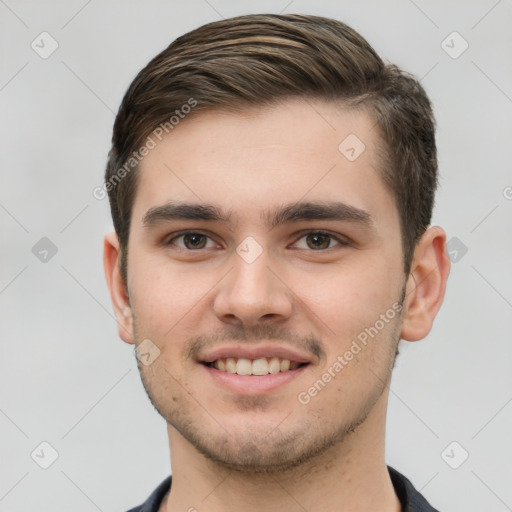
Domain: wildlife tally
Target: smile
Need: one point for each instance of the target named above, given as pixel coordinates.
(260, 366)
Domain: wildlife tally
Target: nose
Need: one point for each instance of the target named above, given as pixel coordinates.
(252, 293)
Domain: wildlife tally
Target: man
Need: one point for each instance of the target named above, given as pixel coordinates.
(271, 183)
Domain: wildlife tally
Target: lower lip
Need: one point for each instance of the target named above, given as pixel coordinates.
(253, 384)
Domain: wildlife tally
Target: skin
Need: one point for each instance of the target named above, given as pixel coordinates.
(268, 451)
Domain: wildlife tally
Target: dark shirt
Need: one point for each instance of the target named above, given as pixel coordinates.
(410, 499)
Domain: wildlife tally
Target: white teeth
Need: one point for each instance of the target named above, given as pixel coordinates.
(275, 365)
(260, 366)
(230, 365)
(244, 367)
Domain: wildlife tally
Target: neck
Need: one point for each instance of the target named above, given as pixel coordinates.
(351, 475)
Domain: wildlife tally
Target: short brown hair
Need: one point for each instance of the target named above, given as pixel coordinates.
(256, 60)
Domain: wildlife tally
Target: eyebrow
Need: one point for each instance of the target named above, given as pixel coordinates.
(293, 212)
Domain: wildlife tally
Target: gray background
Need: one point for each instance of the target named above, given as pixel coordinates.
(68, 380)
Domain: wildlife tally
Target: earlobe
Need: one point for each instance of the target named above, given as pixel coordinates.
(117, 287)
(426, 284)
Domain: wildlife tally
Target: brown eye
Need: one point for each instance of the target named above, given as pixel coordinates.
(319, 241)
(194, 241)
(191, 241)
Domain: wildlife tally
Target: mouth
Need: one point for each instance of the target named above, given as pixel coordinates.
(254, 370)
(255, 367)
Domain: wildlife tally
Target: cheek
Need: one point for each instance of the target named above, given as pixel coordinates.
(343, 299)
(164, 294)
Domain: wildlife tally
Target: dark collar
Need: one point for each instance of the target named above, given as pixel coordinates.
(410, 498)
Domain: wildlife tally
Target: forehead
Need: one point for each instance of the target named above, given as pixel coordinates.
(295, 150)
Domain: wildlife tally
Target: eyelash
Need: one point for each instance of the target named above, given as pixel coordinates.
(340, 241)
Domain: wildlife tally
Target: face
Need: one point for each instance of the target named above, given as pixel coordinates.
(289, 250)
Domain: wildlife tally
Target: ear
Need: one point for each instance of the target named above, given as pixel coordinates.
(117, 287)
(426, 284)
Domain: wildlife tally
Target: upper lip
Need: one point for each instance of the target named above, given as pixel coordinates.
(256, 352)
